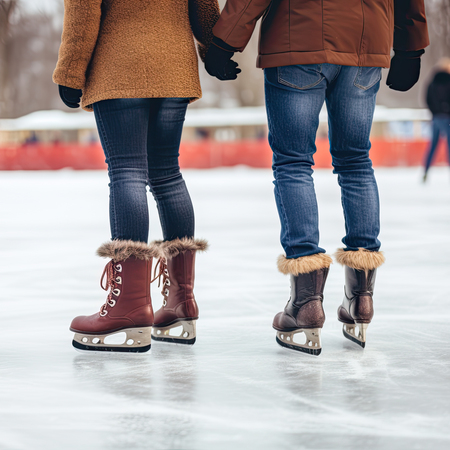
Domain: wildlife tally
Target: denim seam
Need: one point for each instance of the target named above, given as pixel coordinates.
(111, 193)
(345, 215)
(337, 73)
(286, 83)
(286, 221)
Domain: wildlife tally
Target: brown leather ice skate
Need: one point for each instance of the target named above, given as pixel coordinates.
(356, 310)
(175, 321)
(128, 307)
(299, 325)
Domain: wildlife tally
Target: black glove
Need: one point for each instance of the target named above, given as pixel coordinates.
(405, 70)
(71, 97)
(218, 61)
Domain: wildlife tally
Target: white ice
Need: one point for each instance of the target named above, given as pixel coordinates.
(236, 388)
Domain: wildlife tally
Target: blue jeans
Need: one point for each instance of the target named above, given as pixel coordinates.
(141, 140)
(441, 125)
(294, 98)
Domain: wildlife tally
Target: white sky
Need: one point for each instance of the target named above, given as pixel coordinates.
(46, 5)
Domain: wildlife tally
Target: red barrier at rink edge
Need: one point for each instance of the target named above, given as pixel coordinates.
(207, 154)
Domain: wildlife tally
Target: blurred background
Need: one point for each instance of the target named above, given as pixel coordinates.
(225, 128)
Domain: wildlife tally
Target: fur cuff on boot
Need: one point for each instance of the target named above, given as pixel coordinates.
(170, 249)
(119, 250)
(361, 259)
(304, 264)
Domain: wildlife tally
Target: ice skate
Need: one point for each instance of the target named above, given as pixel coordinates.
(356, 310)
(299, 325)
(175, 321)
(127, 313)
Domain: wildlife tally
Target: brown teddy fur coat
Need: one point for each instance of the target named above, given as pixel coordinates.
(134, 48)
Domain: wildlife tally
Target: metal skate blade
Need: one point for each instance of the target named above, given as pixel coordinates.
(349, 331)
(186, 334)
(312, 345)
(137, 340)
(172, 340)
(103, 348)
(300, 348)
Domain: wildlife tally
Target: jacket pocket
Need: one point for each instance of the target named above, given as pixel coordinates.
(300, 76)
(366, 77)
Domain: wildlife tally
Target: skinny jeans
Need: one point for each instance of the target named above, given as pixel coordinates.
(294, 98)
(141, 139)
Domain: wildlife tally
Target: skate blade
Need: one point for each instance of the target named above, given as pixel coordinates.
(358, 337)
(187, 335)
(138, 340)
(312, 345)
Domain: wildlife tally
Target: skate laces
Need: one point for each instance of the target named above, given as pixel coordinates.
(164, 274)
(112, 281)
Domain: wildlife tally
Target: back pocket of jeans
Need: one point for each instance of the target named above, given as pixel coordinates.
(300, 76)
(366, 77)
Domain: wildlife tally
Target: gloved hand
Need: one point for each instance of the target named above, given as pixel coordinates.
(405, 70)
(71, 97)
(218, 61)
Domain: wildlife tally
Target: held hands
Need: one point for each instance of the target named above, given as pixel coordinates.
(70, 97)
(218, 61)
(405, 70)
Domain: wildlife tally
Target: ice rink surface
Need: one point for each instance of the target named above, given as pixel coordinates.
(236, 388)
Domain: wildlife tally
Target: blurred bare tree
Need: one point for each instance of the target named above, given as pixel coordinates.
(439, 18)
(7, 9)
(29, 49)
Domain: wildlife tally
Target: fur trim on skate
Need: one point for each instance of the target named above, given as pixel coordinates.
(304, 264)
(119, 250)
(361, 259)
(170, 249)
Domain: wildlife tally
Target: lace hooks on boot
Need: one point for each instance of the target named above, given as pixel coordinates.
(109, 272)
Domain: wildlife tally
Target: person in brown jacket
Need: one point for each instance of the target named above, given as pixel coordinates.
(316, 52)
(134, 63)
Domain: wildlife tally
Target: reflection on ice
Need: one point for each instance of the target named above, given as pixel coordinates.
(235, 386)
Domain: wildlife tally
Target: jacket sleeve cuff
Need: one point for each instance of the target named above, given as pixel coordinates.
(64, 78)
(203, 14)
(223, 45)
(409, 54)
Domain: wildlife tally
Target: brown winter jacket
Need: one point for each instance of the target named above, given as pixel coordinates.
(344, 32)
(134, 48)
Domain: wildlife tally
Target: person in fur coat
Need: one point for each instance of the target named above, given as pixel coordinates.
(134, 63)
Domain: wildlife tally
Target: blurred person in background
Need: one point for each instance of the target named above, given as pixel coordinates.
(134, 63)
(314, 52)
(438, 101)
